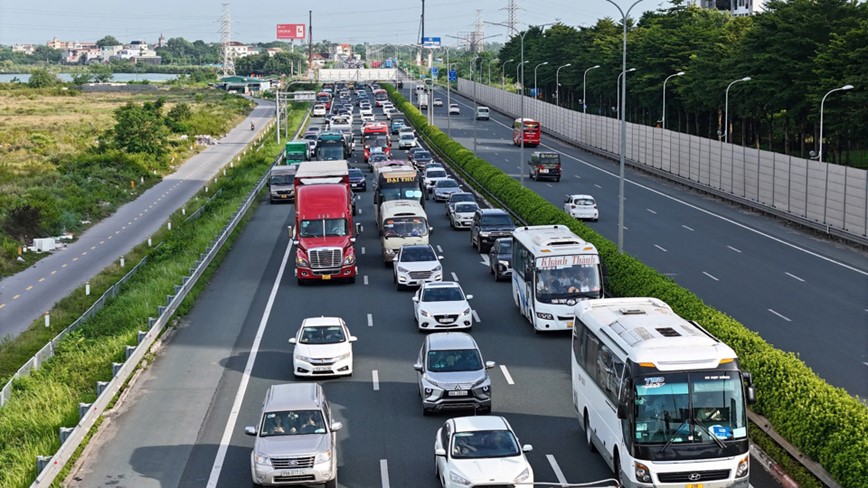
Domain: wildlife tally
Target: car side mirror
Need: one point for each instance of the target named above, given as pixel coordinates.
(440, 452)
(526, 448)
(430, 229)
(250, 430)
(415, 299)
(751, 394)
(440, 258)
(293, 340)
(418, 367)
(489, 364)
(289, 231)
(336, 426)
(353, 338)
(622, 410)
(469, 297)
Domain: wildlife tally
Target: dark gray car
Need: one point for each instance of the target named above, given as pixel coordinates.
(500, 258)
(489, 224)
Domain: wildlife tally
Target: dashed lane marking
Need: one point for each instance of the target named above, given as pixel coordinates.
(506, 374)
(779, 315)
(662, 249)
(794, 277)
(710, 276)
(375, 377)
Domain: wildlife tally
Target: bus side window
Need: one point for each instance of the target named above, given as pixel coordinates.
(590, 356)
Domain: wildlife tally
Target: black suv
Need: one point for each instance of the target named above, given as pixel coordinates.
(488, 225)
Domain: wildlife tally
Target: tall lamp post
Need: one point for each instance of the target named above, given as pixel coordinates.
(663, 117)
(518, 70)
(726, 108)
(535, 89)
(618, 105)
(558, 83)
(822, 104)
(490, 62)
(473, 65)
(622, 112)
(503, 71)
(584, 88)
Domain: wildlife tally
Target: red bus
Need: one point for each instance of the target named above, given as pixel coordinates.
(376, 135)
(532, 131)
(380, 96)
(325, 98)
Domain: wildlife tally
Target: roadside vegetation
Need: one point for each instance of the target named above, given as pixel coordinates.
(70, 158)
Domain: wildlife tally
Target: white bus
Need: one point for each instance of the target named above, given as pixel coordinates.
(659, 397)
(553, 269)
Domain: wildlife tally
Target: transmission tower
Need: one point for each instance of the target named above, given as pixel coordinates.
(512, 16)
(225, 41)
(476, 43)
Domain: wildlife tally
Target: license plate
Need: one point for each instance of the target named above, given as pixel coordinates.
(284, 196)
(457, 393)
(570, 326)
(321, 368)
(445, 321)
(543, 171)
(292, 472)
(694, 485)
(326, 277)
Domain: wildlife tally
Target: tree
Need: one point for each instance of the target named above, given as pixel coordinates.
(108, 41)
(42, 78)
(178, 116)
(81, 76)
(101, 72)
(22, 221)
(45, 54)
(140, 129)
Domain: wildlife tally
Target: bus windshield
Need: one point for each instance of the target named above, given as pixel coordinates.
(405, 227)
(569, 282)
(689, 408)
(376, 140)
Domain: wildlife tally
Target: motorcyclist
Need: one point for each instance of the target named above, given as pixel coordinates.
(252, 126)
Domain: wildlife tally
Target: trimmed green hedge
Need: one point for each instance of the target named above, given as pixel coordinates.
(824, 422)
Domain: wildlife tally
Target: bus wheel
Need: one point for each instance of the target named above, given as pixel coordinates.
(589, 441)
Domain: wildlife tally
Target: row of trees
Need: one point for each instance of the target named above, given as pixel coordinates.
(795, 53)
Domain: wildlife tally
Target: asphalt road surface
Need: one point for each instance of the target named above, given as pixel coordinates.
(182, 424)
(27, 295)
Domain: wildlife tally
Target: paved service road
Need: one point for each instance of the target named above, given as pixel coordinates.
(800, 293)
(210, 380)
(27, 295)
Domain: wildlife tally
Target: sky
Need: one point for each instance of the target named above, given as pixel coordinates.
(343, 21)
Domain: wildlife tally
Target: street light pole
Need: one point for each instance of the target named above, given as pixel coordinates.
(726, 109)
(472, 65)
(618, 104)
(535, 89)
(558, 83)
(503, 72)
(584, 88)
(623, 110)
(663, 117)
(822, 104)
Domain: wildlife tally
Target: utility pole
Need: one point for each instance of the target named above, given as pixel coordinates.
(310, 39)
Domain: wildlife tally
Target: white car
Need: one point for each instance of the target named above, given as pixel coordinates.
(461, 214)
(438, 102)
(406, 141)
(319, 110)
(479, 451)
(582, 207)
(454, 109)
(416, 264)
(442, 306)
(388, 106)
(367, 114)
(323, 346)
(432, 176)
(406, 130)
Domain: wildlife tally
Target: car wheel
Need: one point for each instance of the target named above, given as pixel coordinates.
(492, 271)
(332, 483)
(588, 440)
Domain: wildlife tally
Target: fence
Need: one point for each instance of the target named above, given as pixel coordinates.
(826, 197)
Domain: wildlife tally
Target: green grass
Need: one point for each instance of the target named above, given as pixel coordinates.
(48, 399)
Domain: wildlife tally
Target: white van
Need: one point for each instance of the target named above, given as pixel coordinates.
(482, 113)
(402, 223)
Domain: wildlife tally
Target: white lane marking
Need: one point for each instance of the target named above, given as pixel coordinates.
(557, 469)
(366, 280)
(384, 473)
(598, 186)
(375, 377)
(688, 228)
(363, 249)
(475, 316)
(577, 177)
(245, 377)
(710, 276)
(794, 277)
(360, 211)
(866, 364)
(653, 212)
(92, 248)
(734, 249)
(370, 320)
(506, 375)
(779, 315)
(439, 249)
(662, 249)
(485, 260)
(454, 276)
(549, 185)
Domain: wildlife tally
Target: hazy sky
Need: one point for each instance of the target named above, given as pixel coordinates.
(379, 21)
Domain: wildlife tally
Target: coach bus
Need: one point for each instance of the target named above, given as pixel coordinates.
(531, 132)
(553, 269)
(661, 399)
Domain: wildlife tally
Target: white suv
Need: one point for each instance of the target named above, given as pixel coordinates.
(416, 264)
(442, 305)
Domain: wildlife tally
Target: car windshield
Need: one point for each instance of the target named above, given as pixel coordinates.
(418, 254)
(442, 294)
(504, 247)
(484, 444)
(377, 157)
(281, 180)
(435, 174)
(461, 197)
(356, 173)
(407, 137)
(498, 220)
(323, 228)
(452, 360)
(326, 334)
(466, 207)
(292, 422)
(447, 184)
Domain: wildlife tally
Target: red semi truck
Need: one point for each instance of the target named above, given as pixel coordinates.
(324, 233)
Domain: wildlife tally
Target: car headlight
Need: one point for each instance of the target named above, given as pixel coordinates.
(437, 268)
(301, 262)
(743, 467)
(350, 259)
(343, 356)
(456, 478)
(302, 358)
(522, 476)
(424, 313)
(261, 460)
(402, 269)
(505, 264)
(484, 233)
(642, 473)
(466, 311)
(544, 316)
(323, 457)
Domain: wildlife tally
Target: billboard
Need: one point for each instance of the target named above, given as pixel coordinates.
(431, 41)
(290, 31)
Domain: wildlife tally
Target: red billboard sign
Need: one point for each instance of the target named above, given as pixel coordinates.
(290, 31)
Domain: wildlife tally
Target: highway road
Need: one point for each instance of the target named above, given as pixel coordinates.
(801, 293)
(182, 422)
(25, 296)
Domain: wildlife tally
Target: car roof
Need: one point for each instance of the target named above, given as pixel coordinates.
(417, 246)
(480, 422)
(492, 211)
(579, 195)
(451, 340)
(293, 396)
(314, 321)
(441, 284)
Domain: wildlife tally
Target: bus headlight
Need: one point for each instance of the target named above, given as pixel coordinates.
(743, 467)
(545, 316)
(642, 473)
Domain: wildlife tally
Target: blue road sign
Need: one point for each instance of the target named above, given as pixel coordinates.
(453, 75)
(431, 41)
(388, 63)
(433, 71)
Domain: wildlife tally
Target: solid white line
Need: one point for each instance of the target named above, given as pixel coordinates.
(506, 374)
(475, 316)
(384, 473)
(794, 277)
(370, 320)
(688, 228)
(439, 249)
(653, 212)
(454, 276)
(245, 377)
(779, 315)
(375, 376)
(658, 247)
(710, 276)
(366, 280)
(557, 469)
(734, 249)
